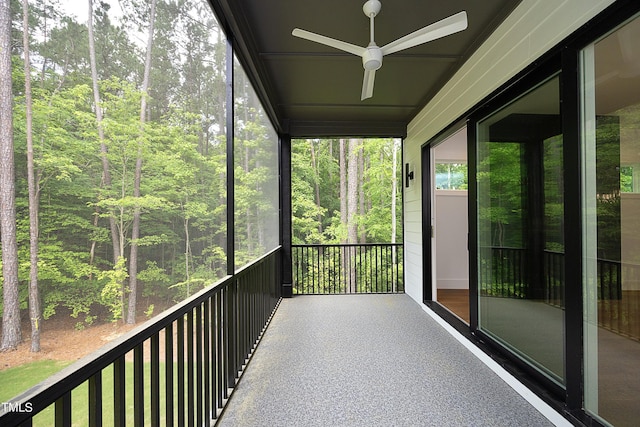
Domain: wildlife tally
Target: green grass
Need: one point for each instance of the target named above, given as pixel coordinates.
(14, 381)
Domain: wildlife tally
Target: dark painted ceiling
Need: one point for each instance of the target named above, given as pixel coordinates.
(311, 90)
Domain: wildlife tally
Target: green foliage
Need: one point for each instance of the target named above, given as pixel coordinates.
(112, 293)
(149, 311)
(501, 187)
(318, 221)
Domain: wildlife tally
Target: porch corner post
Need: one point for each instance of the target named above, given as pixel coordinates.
(230, 122)
(285, 215)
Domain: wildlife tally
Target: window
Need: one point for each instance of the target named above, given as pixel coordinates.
(451, 176)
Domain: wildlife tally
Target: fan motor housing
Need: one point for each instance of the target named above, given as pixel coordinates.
(372, 58)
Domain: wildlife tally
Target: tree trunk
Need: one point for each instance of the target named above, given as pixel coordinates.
(247, 214)
(343, 187)
(34, 295)
(11, 332)
(106, 175)
(135, 228)
(187, 253)
(352, 203)
(343, 209)
(361, 208)
(316, 179)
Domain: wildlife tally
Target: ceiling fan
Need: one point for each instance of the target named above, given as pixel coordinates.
(372, 54)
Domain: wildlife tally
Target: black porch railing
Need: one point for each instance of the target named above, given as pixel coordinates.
(177, 369)
(348, 268)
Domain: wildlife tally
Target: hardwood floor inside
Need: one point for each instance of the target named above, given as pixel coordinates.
(456, 301)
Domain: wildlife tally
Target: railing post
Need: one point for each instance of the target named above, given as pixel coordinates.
(285, 215)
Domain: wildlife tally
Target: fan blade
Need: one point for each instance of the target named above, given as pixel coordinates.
(367, 84)
(442, 28)
(328, 41)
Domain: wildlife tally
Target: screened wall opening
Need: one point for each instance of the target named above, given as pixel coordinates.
(257, 194)
(520, 207)
(611, 225)
(347, 215)
(132, 164)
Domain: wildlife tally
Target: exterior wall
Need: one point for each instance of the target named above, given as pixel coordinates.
(531, 30)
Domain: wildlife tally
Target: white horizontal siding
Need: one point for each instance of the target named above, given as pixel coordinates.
(533, 28)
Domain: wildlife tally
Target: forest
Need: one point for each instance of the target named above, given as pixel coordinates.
(113, 164)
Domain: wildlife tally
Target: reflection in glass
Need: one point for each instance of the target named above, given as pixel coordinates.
(520, 228)
(611, 120)
(451, 176)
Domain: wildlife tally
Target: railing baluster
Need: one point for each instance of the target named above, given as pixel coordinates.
(229, 343)
(199, 366)
(138, 385)
(155, 379)
(63, 411)
(190, 370)
(243, 310)
(180, 376)
(221, 394)
(168, 374)
(119, 403)
(207, 358)
(95, 400)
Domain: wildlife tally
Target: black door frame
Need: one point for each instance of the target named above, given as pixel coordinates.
(427, 229)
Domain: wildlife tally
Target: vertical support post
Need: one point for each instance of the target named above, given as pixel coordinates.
(285, 215)
(573, 297)
(534, 267)
(427, 234)
(230, 135)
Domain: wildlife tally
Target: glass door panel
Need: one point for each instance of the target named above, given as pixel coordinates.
(520, 228)
(611, 225)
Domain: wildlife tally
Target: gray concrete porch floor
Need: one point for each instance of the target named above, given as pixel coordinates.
(371, 360)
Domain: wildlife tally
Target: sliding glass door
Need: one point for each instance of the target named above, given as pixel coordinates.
(520, 228)
(611, 225)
